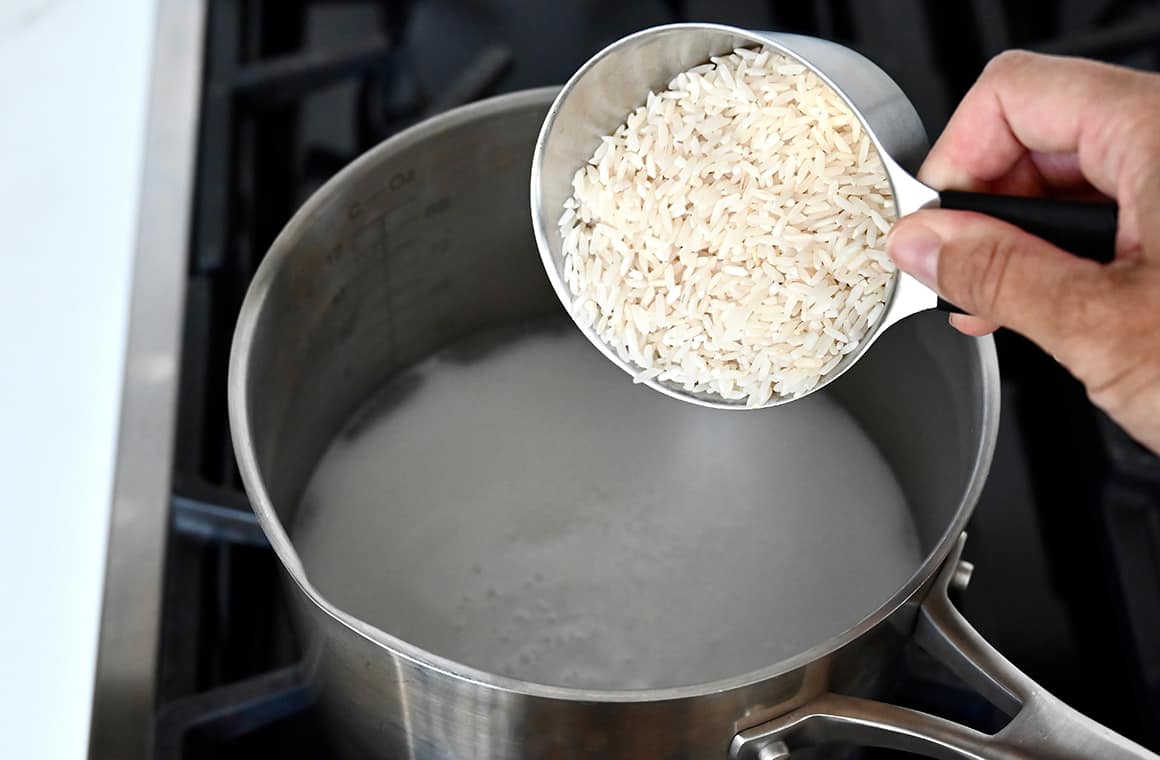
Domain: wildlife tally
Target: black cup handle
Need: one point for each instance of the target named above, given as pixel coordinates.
(1085, 229)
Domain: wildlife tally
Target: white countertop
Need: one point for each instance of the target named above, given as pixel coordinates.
(73, 85)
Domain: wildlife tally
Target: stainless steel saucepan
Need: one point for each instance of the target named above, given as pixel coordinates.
(473, 488)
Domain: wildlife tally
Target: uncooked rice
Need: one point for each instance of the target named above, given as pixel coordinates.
(728, 237)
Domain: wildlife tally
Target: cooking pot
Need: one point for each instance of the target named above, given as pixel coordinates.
(425, 242)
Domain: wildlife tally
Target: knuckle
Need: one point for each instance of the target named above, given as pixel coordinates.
(988, 282)
(1007, 62)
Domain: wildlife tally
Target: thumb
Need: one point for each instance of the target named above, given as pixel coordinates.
(1000, 273)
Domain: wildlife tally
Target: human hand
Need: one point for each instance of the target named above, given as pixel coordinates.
(1051, 126)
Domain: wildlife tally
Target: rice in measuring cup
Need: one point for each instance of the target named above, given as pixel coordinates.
(729, 236)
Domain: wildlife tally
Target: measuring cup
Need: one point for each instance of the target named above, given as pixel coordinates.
(598, 98)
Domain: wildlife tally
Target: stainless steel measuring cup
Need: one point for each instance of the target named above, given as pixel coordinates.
(616, 80)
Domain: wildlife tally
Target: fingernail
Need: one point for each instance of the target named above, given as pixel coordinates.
(914, 248)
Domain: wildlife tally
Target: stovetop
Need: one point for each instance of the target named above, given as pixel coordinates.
(1066, 540)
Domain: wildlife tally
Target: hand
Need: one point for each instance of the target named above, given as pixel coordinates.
(1046, 125)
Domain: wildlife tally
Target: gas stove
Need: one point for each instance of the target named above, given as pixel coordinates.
(198, 659)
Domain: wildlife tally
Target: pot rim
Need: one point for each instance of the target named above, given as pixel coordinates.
(241, 435)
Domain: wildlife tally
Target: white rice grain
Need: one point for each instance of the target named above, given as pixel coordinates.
(727, 238)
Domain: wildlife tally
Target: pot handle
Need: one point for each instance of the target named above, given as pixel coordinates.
(1041, 725)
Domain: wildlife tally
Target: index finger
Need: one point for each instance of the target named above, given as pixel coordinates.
(1023, 102)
